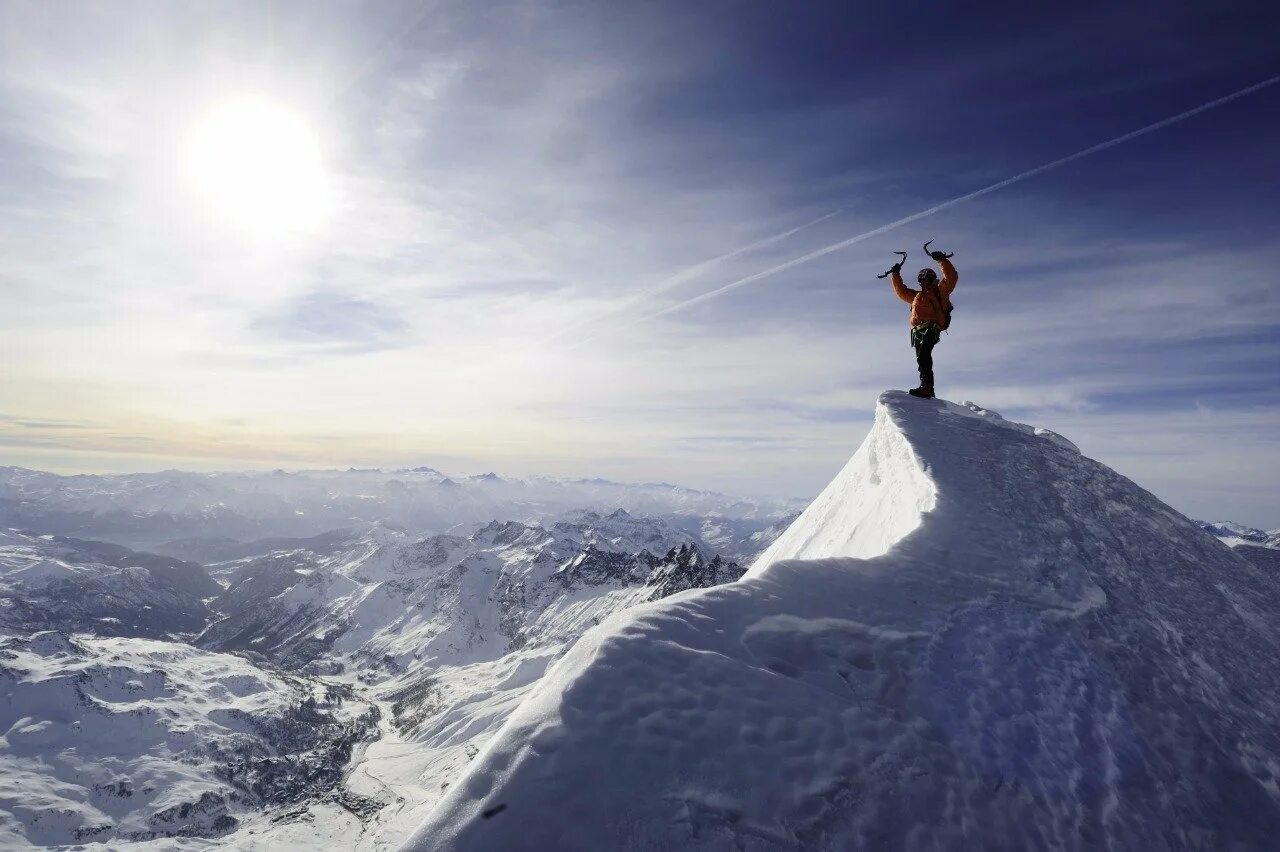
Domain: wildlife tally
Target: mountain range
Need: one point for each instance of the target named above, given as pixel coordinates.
(260, 680)
(974, 628)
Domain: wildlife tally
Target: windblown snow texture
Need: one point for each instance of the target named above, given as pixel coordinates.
(1007, 646)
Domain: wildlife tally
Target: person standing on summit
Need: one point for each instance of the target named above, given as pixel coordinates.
(930, 311)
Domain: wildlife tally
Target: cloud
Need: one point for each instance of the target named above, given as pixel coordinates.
(323, 317)
(38, 424)
(514, 183)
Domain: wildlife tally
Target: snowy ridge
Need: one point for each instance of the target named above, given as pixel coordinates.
(1044, 656)
(879, 497)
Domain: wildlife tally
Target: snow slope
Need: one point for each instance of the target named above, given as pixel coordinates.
(879, 497)
(992, 642)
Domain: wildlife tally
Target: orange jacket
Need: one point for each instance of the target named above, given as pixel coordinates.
(924, 307)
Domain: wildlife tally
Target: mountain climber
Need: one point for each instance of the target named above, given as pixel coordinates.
(930, 311)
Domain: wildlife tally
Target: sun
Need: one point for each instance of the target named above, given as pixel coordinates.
(256, 165)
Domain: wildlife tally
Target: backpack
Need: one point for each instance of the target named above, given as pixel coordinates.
(944, 309)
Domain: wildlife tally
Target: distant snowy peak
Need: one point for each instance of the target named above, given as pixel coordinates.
(219, 511)
(687, 568)
(617, 531)
(1258, 547)
(375, 594)
(622, 532)
(1236, 534)
(975, 638)
(51, 582)
(508, 534)
(423, 470)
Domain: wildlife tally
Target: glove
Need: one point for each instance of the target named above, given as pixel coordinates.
(896, 268)
(936, 255)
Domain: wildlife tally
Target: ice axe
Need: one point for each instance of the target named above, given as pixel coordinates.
(930, 254)
(897, 267)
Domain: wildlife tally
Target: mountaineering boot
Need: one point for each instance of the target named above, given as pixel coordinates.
(922, 392)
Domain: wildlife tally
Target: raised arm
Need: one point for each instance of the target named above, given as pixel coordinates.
(949, 276)
(904, 292)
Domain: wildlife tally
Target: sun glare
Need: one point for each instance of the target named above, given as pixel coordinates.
(257, 166)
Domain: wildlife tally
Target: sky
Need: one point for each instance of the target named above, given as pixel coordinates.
(490, 235)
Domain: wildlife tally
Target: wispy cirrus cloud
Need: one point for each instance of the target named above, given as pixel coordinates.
(513, 185)
(337, 320)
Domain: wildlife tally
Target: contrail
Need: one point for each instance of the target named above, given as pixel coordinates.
(697, 269)
(416, 19)
(1102, 146)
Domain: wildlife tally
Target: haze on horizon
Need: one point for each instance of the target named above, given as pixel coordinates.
(474, 236)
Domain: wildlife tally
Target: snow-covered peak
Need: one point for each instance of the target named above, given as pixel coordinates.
(1235, 535)
(992, 642)
(1231, 528)
(509, 533)
(877, 498)
(377, 595)
(621, 532)
(885, 489)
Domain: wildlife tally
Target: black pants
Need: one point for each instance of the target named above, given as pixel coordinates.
(923, 340)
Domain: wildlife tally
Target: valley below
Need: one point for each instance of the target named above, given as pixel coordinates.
(303, 691)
